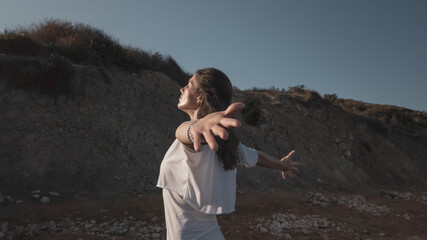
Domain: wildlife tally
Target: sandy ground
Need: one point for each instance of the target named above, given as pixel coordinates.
(407, 220)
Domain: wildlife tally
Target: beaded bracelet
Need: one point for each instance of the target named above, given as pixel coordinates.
(190, 137)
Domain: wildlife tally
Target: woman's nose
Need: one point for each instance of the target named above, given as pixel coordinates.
(181, 90)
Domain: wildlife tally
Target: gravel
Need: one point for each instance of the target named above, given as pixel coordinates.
(317, 199)
(110, 230)
(285, 224)
(405, 196)
(360, 204)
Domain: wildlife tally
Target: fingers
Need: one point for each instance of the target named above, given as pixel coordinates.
(291, 153)
(219, 131)
(289, 172)
(234, 108)
(230, 122)
(211, 141)
(289, 165)
(197, 142)
(288, 157)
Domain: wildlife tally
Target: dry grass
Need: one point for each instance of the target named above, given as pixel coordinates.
(385, 113)
(83, 44)
(305, 94)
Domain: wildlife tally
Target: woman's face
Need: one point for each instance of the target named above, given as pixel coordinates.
(189, 94)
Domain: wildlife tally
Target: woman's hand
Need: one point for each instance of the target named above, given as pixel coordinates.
(214, 124)
(287, 165)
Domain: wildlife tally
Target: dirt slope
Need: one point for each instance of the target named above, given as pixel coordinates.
(109, 135)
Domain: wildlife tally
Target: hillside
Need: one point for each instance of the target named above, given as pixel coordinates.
(98, 126)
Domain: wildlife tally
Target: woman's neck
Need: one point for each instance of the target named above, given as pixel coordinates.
(193, 114)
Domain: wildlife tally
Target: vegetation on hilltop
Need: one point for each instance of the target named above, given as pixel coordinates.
(63, 42)
(387, 114)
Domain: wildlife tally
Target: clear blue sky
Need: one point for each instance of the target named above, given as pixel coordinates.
(369, 50)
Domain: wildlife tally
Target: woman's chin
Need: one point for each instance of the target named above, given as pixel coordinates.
(179, 106)
(182, 108)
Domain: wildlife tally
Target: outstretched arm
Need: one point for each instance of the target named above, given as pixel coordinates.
(286, 165)
(209, 126)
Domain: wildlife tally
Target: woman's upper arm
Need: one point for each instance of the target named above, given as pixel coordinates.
(181, 133)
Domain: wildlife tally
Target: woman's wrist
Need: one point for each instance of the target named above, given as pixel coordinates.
(264, 160)
(189, 134)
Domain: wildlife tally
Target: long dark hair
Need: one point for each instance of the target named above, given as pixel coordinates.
(217, 91)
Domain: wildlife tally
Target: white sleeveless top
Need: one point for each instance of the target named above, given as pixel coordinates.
(200, 178)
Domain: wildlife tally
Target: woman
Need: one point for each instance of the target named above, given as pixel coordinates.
(199, 180)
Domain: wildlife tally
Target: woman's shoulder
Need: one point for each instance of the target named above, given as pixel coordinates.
(248, 156)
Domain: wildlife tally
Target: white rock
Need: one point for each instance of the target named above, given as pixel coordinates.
(54, 194)
(95, 229)
(45, 199)
(407, 216)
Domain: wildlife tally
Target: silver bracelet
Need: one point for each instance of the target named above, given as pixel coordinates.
(190, 137)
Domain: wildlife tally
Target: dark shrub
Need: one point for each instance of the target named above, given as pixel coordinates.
(48, 76)
(252, 114)
(330, 97)
(310, 95)
(298, 89)
(19, 45)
